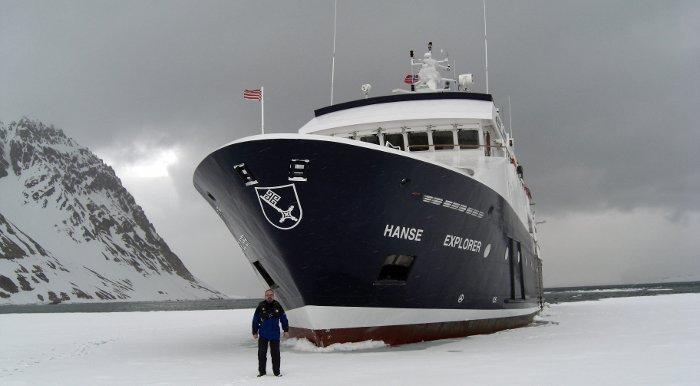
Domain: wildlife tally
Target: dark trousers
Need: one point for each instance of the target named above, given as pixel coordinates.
(262, 355)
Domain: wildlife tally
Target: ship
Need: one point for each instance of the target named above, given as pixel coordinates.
(398, 218)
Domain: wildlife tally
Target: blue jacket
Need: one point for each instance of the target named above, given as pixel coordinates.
(267, 318)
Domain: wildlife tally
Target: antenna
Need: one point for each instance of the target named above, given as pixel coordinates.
(413, 86)
(486, 51)
(335, 22)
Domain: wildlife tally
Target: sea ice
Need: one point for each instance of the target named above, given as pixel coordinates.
(636, 340)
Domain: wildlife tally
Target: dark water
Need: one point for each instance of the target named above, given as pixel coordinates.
(576, 294)
(552, 295)
(181, 305)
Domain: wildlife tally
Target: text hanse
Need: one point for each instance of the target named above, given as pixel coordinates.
(399, 232)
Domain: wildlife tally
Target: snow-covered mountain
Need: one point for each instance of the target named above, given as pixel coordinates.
(69, 230)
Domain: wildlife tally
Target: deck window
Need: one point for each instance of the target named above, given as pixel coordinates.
(418, 141)
(394, 141)
(443, 140)
(468, 139)
(372, 138)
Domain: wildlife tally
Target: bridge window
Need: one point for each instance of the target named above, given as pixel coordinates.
(372, 138)
(394, 141)
(418, 141)
(468, 139)
(443, 140)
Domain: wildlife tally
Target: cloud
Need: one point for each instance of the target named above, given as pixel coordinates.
(150, 163)
(613, 246)
(604, 96)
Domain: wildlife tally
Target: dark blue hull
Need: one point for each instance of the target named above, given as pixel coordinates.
(350, 206)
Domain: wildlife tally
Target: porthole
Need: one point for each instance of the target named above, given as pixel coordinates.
(487, 250)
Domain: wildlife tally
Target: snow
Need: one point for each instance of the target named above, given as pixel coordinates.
(306, 345)
(635, 340)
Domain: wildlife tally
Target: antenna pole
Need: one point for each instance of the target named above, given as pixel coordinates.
(413, 86)
(335, 22)
(486, 51)
(262, 110)
(454, 74)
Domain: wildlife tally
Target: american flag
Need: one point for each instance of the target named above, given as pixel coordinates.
(410, 79)
(252, 94)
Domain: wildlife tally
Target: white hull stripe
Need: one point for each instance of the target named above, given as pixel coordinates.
(328, 317)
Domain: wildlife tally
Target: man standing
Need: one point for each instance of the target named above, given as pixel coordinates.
(266, 321)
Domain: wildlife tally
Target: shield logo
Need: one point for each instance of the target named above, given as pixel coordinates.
(280, 205)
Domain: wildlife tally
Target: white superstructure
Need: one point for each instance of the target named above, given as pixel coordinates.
(464, 134)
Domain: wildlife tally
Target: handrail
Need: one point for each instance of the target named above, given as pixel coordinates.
(468, 147)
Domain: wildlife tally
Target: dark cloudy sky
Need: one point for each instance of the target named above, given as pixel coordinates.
(605, 105)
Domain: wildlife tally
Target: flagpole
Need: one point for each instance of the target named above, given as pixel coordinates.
(486, 52)
(262, 110)
(335, 22)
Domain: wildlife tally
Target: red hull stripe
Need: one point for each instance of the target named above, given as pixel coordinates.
(410, 333)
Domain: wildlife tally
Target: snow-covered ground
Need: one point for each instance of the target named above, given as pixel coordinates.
(637, 340)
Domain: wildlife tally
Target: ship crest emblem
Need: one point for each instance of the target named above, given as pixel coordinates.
(280, 205)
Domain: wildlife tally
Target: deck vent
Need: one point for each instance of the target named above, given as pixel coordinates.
(245, 174)
(298, 169)
(395, 269)
(211, 196)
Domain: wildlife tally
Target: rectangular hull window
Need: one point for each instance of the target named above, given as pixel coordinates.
(395, 269)
(266, 276)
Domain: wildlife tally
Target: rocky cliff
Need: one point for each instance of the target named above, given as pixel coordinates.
(69, 230)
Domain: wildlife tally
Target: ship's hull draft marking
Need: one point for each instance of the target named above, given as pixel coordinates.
(280, 205)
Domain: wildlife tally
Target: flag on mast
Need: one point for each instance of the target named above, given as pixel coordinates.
(410, 79)
(257, 94)
(253, 94)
